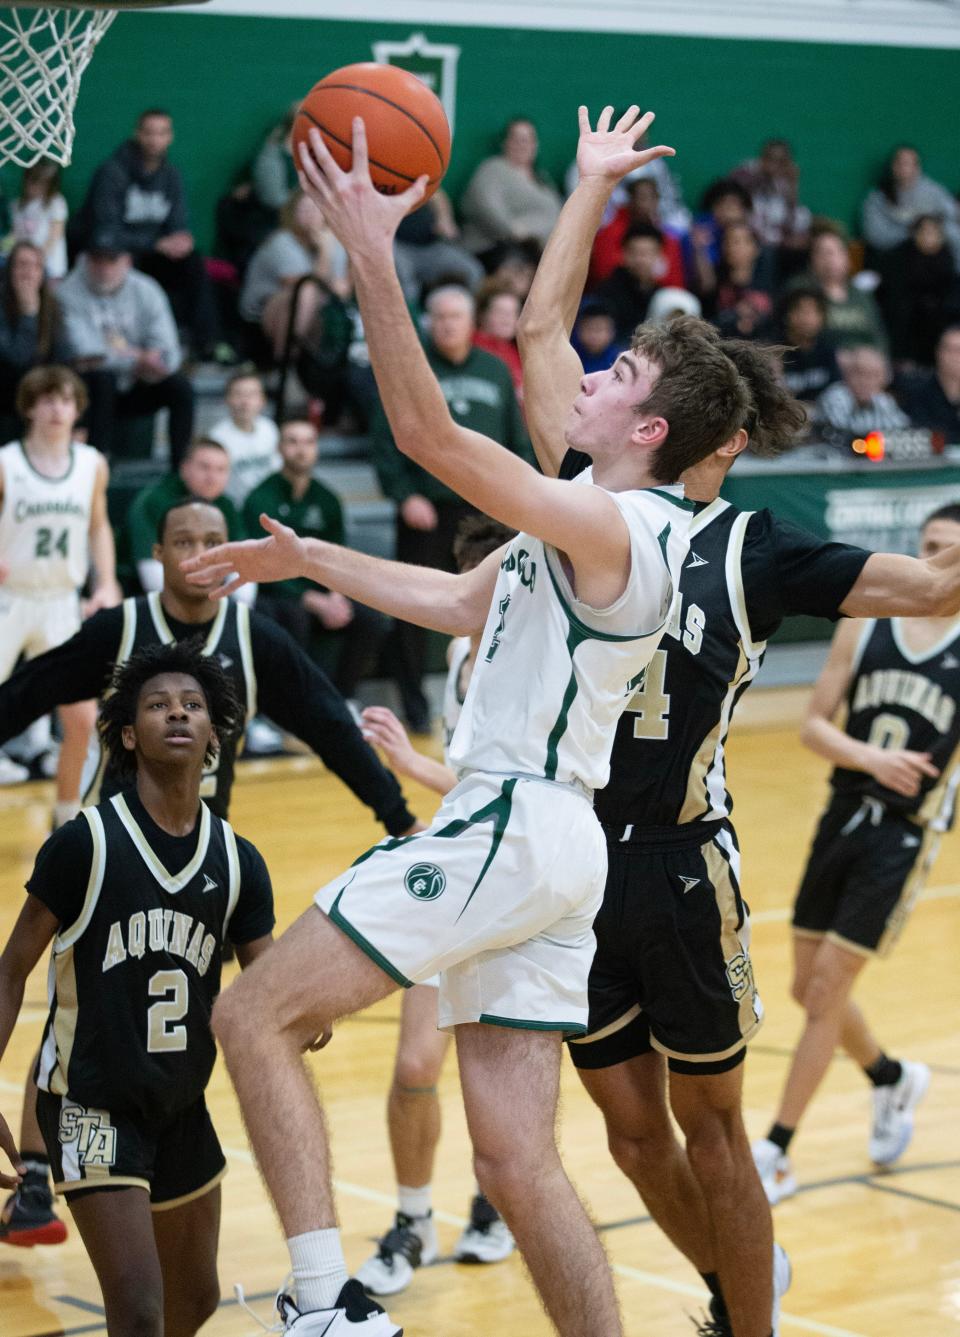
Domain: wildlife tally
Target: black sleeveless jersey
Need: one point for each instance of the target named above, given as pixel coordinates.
(745, 571)
(899, 699)
(227, 637)
(135, 966)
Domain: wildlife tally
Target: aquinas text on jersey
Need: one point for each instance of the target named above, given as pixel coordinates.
(160, 930)
(911, 691)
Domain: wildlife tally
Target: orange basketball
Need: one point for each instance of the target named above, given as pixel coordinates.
(407, 131)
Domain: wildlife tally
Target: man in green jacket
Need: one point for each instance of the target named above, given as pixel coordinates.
(204, 472)
(343, 637)
(480, 394)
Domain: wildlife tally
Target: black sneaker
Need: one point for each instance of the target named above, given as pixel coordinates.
(714, 1326)
(411, 1242)
(28, 1217)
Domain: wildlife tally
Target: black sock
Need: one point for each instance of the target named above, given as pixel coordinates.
(885, 1071)
(36, 1161)
(712, 1283)
(781, 1137)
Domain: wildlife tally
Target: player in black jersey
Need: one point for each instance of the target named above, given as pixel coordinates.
(138, 895)
(894, 792)
(267, 668)
(672, 992)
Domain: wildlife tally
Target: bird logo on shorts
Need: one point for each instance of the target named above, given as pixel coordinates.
(425, 881)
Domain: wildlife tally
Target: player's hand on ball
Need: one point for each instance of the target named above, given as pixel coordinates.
(223, 569)
(8, 1146)
(612, 154)
(359, 216)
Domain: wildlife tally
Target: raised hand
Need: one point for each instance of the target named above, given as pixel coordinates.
(612, 153)
(279, 557)
(360, 217)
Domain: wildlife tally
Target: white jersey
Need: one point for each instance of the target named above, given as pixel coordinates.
(554, 675)
(45, 522)
(253, 455)
(453, 690)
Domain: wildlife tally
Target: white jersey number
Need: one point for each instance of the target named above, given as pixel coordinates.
(650, 703)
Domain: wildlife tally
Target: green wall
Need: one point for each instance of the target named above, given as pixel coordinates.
(227, 79)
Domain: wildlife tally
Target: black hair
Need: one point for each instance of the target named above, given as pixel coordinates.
(886, 185)
(178, 506)
(128, 681)
(805, 293)
(477, 536)
(949, 512)
(153, 111)
(643, 230)
(776, 419)
(718, 189)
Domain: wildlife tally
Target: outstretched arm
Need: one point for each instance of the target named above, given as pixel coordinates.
(552, 371)
(894, 768)
(891, 585)
(453, 604)
(584, 522)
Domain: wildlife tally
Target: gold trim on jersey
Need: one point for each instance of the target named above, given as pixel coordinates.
(734, 947)
(98, 867)
(916, 657)
(734, 572)
(129, 630)
(169, 881)
(698, 801)
(64, 1025)
(610, 1029)
(246, 657)
(162, 626)
(107, 1180)
(912, 888)
(707, 516)
(189, 1197)
(233, 863)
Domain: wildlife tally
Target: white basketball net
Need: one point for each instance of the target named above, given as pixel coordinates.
(43, 54)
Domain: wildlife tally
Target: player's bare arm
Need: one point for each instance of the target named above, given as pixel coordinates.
(382, 728)
(455, 604)
(585, 523)
(30, 938)
(891, 585)
(551, 369)
(103, 554)
(895, 768)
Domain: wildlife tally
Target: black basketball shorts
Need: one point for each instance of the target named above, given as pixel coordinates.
(672, 969)
(866, 868)
(175, 1160)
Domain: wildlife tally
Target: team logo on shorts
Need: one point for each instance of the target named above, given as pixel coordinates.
(425, 881)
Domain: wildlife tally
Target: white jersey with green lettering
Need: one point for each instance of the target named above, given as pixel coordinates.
(553, 675)
(45, 522)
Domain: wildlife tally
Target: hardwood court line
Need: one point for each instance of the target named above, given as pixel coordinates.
(699, 1293)
(780, 914)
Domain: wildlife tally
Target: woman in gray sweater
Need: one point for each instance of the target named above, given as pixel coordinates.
(902, 195)
(507, 199)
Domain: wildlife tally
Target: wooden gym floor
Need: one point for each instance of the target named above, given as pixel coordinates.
(874, 1255)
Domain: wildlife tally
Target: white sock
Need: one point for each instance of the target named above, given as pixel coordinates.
(319, 1271)
(64, 810)
(414, 1201)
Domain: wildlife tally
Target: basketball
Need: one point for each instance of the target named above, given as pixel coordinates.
(407, 131)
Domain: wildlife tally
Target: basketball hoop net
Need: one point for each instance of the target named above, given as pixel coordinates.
(43, 54)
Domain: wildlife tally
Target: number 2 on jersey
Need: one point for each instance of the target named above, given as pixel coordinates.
(650, 703)
(47, 544)
(163, 1036)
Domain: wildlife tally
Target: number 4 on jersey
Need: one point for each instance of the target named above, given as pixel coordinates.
(650, 703)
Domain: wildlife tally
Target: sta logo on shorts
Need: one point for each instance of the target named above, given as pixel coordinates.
(425, 881)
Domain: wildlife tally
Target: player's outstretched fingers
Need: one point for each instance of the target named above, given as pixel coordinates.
(361, 161)
(627, 119)
(603, 123)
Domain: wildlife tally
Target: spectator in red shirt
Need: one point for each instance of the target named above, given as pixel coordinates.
(626, 293)
(498, 310)
(643, 206)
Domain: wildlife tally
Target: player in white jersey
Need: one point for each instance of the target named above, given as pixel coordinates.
(413, 1106)
(53, 528)
(499, 894)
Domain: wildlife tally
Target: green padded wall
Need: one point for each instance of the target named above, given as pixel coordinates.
(227, 79)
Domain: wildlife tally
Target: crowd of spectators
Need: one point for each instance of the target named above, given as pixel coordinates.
(120, 292)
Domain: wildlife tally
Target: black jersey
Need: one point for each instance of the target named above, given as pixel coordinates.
(899, 699)
(745, 571)
(135, 966)
(228, 638)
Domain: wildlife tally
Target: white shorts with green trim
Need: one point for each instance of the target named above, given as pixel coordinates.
(498, 896)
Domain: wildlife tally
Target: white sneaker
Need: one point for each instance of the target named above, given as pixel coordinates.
(410, 1243)
(354, 1315)
(775, 1171)
(782, 1277)
(487, 1237)
(893, 1108)
(11, 772)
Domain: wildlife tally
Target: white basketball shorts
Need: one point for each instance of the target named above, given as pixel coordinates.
(31, 624)
(498, 896)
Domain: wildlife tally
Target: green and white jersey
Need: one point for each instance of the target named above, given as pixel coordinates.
(45, 522)
(553, 675)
